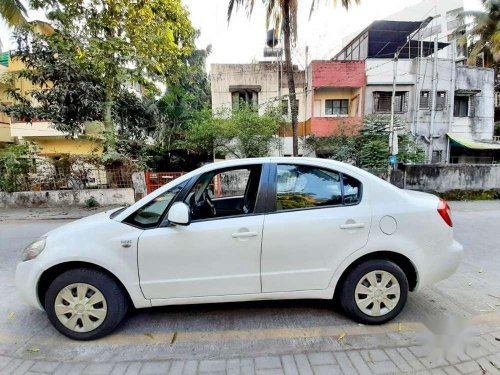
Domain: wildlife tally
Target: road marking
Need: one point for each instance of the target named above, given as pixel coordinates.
(243, 335)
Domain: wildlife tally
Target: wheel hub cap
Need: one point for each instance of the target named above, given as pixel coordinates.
(80, 307)
(377, 293)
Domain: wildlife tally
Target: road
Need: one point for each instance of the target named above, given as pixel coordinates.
(241, 330)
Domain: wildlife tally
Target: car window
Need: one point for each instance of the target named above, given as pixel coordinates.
(152, 212)
(300, 186)
(227, 192)
(352, 190)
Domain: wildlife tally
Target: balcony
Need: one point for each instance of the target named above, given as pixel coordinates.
(496, 139)
(327, 126)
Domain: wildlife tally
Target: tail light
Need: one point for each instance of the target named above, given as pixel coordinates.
(444, 211)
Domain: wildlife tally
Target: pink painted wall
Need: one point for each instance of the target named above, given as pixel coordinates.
(326, 126)
(338, 73)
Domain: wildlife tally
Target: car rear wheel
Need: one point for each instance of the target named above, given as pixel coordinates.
(374, 291)
(85, 304)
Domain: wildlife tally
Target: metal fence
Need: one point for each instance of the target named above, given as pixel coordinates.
(155, 180)
(70, 179)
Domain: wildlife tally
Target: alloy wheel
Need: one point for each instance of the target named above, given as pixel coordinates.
(377, 293)
(80, 307)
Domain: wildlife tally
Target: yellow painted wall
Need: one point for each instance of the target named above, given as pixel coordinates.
(79, 146)
(5, 133)
(323, 94)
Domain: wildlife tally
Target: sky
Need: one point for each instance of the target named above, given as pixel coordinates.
(242, 39)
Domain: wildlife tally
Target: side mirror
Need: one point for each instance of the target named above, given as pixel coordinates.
(179, 214)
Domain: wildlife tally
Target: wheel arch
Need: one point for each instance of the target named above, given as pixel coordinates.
(51, 273)
(401, 260)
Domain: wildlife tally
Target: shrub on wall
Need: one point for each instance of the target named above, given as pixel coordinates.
(370, 148)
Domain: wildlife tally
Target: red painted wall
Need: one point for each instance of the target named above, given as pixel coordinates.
(338, 73)
(326, 126)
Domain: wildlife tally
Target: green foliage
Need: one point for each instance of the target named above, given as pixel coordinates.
(496, 131)
(91, 202)
(95, 51)
(13, 12)
(482, 32)
(15, 166)
(68, 93)
(242, 133)
(370, 148)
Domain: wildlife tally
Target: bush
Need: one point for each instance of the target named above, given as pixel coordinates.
(91, 202)
(16, 162)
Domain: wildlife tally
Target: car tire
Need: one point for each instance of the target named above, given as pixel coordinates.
(374, 304)
(81, 318)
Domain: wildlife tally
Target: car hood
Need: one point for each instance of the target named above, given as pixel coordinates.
(85, 223)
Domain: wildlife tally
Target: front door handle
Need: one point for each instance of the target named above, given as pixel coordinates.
(352, 226)
(243, 234)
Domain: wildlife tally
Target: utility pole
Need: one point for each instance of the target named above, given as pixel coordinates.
(433, 99)
(391, 124)
(452, 98)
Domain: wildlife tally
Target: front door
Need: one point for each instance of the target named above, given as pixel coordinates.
(219, 252)
(320, 218)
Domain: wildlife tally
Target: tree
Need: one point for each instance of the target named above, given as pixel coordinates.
(369, 148)
(484, 32)
(13, 12)
(123, 41)
(66, 92)
(282, 16)
(240, 134)
(186, 94)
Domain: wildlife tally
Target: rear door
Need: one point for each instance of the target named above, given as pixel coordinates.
(320, 217)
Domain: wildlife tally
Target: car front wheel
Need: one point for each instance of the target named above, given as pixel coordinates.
(374, 291)
(85, 304)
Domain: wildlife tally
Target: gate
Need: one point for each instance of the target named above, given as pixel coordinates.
(155, 180)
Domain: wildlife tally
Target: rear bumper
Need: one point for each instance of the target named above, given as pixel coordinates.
(441, 265)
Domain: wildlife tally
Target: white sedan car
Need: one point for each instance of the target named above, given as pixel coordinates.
(242, 230)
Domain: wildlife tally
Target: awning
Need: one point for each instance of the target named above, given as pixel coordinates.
(473, 145)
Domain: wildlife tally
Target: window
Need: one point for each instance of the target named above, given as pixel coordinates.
(244, 98)
(284, 107)
(461, 108)
(437, 156)
(303, 186)
(151, 213)
(425, 100)
(352, 190)
(382, 101)
(224, 193)
(300, 186)
(337, 107)
(440, 100)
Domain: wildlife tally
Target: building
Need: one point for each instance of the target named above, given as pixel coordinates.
(330, 96)
(459, 127)
(261, 84)
(335, 97)
(49, 141)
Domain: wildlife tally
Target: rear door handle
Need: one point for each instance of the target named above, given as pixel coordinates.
(352, 226)
(243, 234)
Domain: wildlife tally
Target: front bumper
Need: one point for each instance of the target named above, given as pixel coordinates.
(27, 275)
(442, 264)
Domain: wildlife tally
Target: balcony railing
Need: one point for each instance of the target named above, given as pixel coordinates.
(496, 139)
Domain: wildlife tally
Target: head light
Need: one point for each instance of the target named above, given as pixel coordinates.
(34, 249)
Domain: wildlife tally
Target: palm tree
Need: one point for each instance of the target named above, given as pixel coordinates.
(282, 16)
(13, 12)
(483, 34)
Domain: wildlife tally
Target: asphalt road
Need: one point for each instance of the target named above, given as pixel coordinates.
(257, 328)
